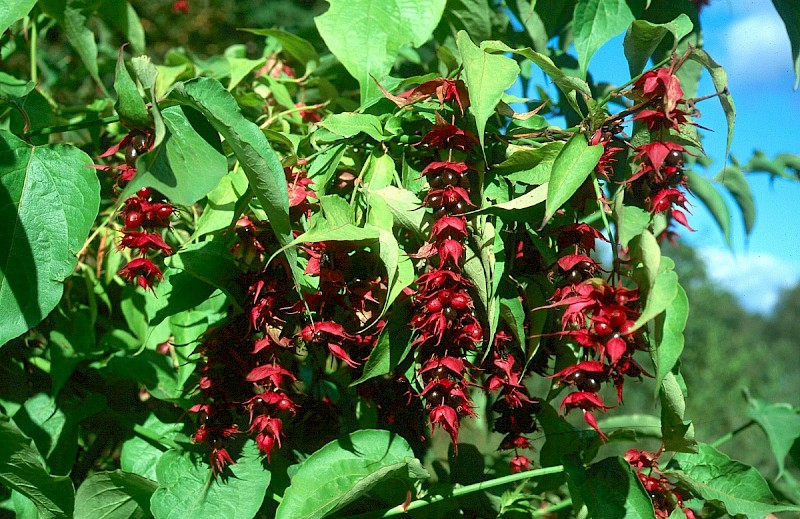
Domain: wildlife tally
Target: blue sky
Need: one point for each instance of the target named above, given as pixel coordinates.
(748, 38)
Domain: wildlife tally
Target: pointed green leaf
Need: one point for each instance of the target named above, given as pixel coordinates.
(344, 470)
(48, 202)
(392, 347)
(734, 181)
(257, 158)
(720, 79)
(140, 456)
(22, 469)
(351, 124)
(789, 11)
(375, 32)
(172, 167)
(669, 336)
(677, 433)
(295, 46)
(609, 489)
(574, 163)
(13, 10)
(130, 105)
(781, 424)
(595, 22)
(643, 38)
(661, 294)
(487, 77)
(114, 495)
(188, 490)
(736, 487)
(713, 200)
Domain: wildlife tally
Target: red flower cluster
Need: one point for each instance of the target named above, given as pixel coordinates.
(665, 496)
(659, 175)
(140, 212)
(599, 318)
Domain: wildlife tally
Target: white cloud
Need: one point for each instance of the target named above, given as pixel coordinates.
(757, 48)
(756, 279)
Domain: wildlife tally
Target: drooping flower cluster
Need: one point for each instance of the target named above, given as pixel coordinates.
(658, 178)
(443, 312)
(598, 317)
(142, 215)
(666, 497)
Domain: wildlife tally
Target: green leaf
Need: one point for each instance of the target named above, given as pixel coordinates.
(375, 31)
(21, 468)
(123, 17)
(350, 124)
(221, 209)
(54, 432)
(344, 470)
(713, 200)
(532, 198)
(643, 38)
(733, 179)
(781, 424)
(73, 20)
(13, 10)
(574, 163)
(678, 434)
(720, 79)
(609, 489)
(130, 106)
(257, 158)
(472, 16)
(660, 295)
(511, 310)
(48, 202)
(595, 22)
(736, 487)
(392, 347)
(140, 456)
(192, 275)
(294, 46)
(147, 73)
(406, 209)
(790, 13)
(172, 168)
(670, 336)
(114, 495)
(188, 490)
(530, 166)
(487, 76)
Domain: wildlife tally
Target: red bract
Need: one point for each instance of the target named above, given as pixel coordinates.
(660, 84)
(144, 242)
(144, 271)
(272, 372)
(587, 402)
(520, 464)
(446, 417)
(445, 90)
(444, 135)
(180, 7)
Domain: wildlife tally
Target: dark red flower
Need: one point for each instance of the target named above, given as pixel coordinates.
(180, 7)
(520, 464)
(144, 271)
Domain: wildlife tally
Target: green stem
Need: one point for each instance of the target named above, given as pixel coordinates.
(552, 508)
(73, 126)
(34, 38)
(729, 436)
(462, 491)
